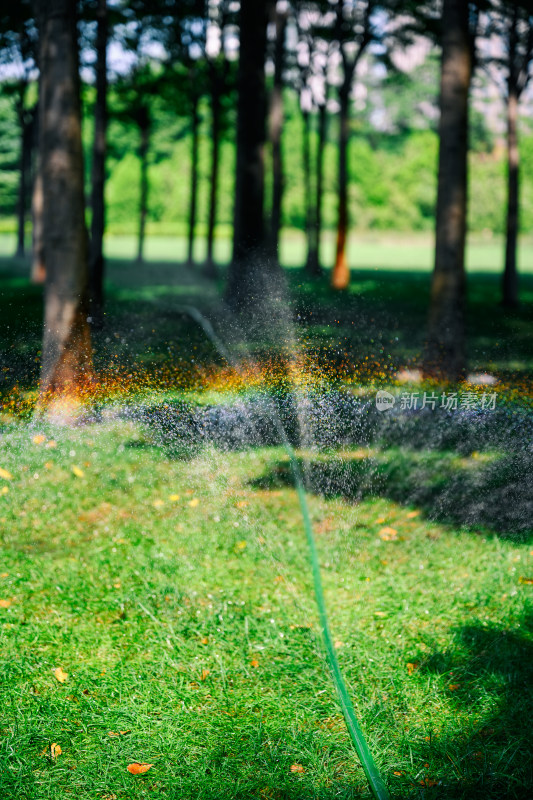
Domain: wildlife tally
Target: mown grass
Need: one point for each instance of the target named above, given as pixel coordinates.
(189, 623)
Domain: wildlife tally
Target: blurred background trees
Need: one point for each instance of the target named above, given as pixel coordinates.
(220, 120)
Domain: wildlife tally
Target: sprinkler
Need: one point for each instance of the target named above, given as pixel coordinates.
(354, 729)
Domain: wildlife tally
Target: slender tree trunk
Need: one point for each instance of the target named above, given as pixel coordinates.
(510, 275)
(66, 353)
(340, 277)
(445, 356)
(96, 254)
(24, 170)
(144, 130)
(211, 269)
(313, 257)
(306, 162)
(276, 129)
(38, 271)
(193, 197)
(244, 277)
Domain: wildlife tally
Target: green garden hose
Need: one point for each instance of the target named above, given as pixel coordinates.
(371, 771)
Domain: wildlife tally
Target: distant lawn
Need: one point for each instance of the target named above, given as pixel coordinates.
(387, 250)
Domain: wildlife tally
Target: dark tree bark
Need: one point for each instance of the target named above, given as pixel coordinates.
(445, 356)
(193, 196)
(24, 170)
(96, 254)
(244, 278)
(313, 266)
(66, 354)
(306, 161)
(211, 269)
(340, 277)
(510, 275)
(143, 121)
(38, 270)
(276, 129)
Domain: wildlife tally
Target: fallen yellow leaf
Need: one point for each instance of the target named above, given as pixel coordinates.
(242, 504)
(55, 750)
(118, 733)
(7, 476)
(194, 502)
(51, 444)
(79, 473)
(241, 545)
(60, 675)
(527, 581)
(137, 768)
(174, 498)
(205, 674)
(297, 768)
(5, 603)
(411, 666)
(413, 514)
(39, 439)
(4, 490)
(388, 534)
(254, 662)
(158, 503)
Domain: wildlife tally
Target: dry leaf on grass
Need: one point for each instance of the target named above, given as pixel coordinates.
(7, 476)
(137, 768)
(118, 733)
(388, 534)
(60, 675)
(55, 750)
(39, 439)
(297, 768)
(79, 473)
(5, 603)
(194, 502)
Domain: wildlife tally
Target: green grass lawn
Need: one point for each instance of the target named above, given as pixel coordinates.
(172, 586)
(177, 598)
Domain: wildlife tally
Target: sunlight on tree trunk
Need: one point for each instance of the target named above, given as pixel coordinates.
(67, 354)
(445, 356)
(340, 277)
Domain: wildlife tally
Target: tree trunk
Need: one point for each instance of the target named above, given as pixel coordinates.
(193, 197)
(276, 129)
(244, 277)
(340, 277)
(510, 275)
(306, 160)
(24, 170)
(66, 353)
(313, 258)
(144, 130)
(38, 271)
(96, 254)
(211, 270)
(445, 356)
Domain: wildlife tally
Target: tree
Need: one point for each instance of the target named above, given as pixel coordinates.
(353, 33)
(18, 48)
(96, 253)
(279, 15)
(445, 356)
(512, 22)
(66, 354)
(244, 276)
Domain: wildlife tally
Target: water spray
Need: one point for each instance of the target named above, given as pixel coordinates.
(373, 776)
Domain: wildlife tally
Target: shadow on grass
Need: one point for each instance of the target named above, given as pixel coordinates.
(489, 675)
(497, 496)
